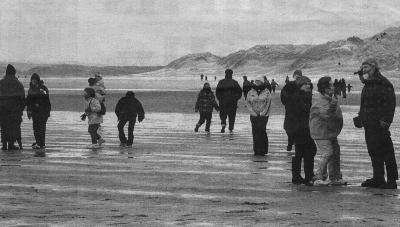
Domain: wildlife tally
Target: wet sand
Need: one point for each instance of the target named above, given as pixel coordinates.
(173, 176)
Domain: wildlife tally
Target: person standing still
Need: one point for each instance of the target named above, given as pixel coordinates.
(378, 103)
(228, 93)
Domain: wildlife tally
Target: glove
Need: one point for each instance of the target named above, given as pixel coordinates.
(140, 118)
(384, 124)
(83, 117)
(357, 122)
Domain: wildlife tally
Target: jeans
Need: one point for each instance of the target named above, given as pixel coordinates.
(93, 132)
(39, 129)
(205, 117)
(260, 137)
(121, 133)
(307, 152)
(381, 151)
(231, 114)
(329, 151)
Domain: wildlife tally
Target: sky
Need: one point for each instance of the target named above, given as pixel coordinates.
(156, 32)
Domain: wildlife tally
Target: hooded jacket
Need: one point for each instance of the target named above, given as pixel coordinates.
(91, 109)
(129, 107)
(259, 103)
(206, 101)
(38, 101)
(326, 119)
(12, 96)
(228, 93)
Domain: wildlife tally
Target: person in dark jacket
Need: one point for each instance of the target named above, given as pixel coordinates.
(378, 102)
(246, 86)
(287, 93)
(38, 108)
(298, 111)
(228, 93)
(12, 104)
(204, 105)
(127, 109)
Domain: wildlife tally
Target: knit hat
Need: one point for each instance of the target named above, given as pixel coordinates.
(298, 72)
(301, 80)
(36, 77)
(10, 70)
(371, 62)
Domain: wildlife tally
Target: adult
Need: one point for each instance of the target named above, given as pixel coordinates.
(298, 108)
(326, 122)
(267, 84)
(246, 86)
(378, 102)
(259, 105)
(38, 108)
(228, 93)
(287, 93)
(273, 85)
(127, 109)
(12, 104)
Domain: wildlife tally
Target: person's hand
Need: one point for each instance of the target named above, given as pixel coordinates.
(140, 118)
(384, 124)
(83, 117)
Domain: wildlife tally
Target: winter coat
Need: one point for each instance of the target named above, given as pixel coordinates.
(129, 108)
(326, 119)
(259, 104)
(206, 102)
(378, 101)
(12, 97)
(246, 87)
(91, 109)
(228, 93)
(38, 101)
(287, 93)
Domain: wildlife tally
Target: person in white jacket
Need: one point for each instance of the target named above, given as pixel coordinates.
(259, 104)
(92, 109)
(326, 122)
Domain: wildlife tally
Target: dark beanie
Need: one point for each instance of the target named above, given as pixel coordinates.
(35, 76)
(300, 81)
(10, 70)
(90, 91)
(91, 81)
(130, 94)
(298, 72)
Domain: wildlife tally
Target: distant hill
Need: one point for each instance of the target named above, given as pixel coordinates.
(192, 60)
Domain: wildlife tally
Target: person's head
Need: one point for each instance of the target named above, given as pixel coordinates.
(244, 78)
(325, 86)
(130, 94)
(259, 83)
(369, 66)
(304, 83)
(206, 86)
(228, 73)
(35, 79)
(10, 71)
(88, 93)
(91, 81)
(297, 73)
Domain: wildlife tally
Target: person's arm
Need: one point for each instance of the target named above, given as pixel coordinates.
(140, 111)
(268, 104)
(388, 106)
(249, 106)
(196, 106)
(118, 109)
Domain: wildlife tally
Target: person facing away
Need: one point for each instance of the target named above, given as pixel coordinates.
(204, 105)
(92, 109)
(38, 109)
(259, 105)
(246, 86)
(274, 85)
(267, 84)
(326, 122)
(298, 109)
(127, 109)
(228, 93)
(12, 104)
(287, 93)
(377, 107)
(349, 88)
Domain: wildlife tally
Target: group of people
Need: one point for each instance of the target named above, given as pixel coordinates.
(12, 105)
(313, 122)
(340, 88)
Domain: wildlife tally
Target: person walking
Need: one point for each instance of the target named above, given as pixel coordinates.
(228, 93)
(273, 85)
(259, 105)
(326, 122)
(12, 104)
(298, 108)
(246, 86)
(92, 109)
(127, 109)
(38, 109)
(205, 104)
(378, 103)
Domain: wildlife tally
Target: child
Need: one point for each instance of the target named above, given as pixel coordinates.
(92, 109)
(204, 105)
(97, 84)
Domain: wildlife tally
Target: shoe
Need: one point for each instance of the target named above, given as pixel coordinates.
(337, 182)
(223, 129)
(207, 130)
(12, 147)
(100, 141)
(129, 146)
(298, 180)
(308, 182)
(93, 146)
(36, 146)
(389, 185)
(289, 147)
(196, 129)
(21, 148)
(122, 144)
(4, 148)
(321, 183)
(231, 132)
(373, 183)
(40, 154)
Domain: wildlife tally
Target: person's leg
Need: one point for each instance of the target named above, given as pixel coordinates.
(373, 146)
(223, 115)
(335, 172)
(263, 134)
(93, 132)
(36, 128)
(296, 163)
(41, 130)
(325, 151)
(253, 121)
(3, 139)
(201, 121)
(309, 154)
(208, 117)
(232, 116)
(121, 133)
(389, 157)
(131, 127)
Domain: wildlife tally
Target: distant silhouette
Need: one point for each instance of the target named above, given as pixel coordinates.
(246, 86)
(349, 88)
(273, 85)
(201, 77)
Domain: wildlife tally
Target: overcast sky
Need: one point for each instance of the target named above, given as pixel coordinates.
(155, 32)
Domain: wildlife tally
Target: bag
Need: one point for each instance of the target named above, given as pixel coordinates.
(103, 109)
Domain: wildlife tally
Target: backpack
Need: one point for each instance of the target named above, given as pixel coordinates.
(103, 109)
